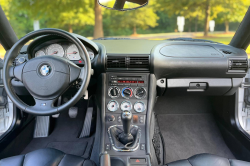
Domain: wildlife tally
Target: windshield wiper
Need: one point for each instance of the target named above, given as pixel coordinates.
(191, 39)
(112, 38)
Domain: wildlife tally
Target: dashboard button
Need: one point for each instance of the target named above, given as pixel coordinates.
(142, 146)
(107, 147)
(137, 161)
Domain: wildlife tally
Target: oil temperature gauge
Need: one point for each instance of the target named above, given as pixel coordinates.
(113, 105)
(126, 105)
(139, 106)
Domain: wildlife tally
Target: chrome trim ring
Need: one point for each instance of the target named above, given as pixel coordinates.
(145, 106)
(128, 102)
(138, 96)
(110, 93)
(116, 104)
(125, 96)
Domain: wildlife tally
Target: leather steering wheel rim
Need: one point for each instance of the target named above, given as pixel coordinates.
(46, 107)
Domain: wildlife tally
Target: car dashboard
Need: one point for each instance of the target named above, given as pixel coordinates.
(187, 66)
(130, 74)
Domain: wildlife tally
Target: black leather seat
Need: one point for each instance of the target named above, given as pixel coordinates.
(46, 157)
(208, 160)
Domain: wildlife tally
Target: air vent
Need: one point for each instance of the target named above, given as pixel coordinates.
(238, 65)
(116, 62)
(138, 62)
(128, 62)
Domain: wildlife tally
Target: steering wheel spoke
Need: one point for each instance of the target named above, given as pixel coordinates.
(74, 73)
(17, 72)
(82, 74)
(42, 106)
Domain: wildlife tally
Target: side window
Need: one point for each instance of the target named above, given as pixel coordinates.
(2, 51)
(6, 105)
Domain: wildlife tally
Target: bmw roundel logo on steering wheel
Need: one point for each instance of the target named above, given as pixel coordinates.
(45, 70)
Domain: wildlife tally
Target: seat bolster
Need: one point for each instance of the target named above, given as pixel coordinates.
(208, 160)
(46, 157)
(16, 161)
(88, 163)
(236, 163)
(72, 160)
(43, 157)
(180, 163)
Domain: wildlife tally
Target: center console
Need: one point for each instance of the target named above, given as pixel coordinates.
(127, 95)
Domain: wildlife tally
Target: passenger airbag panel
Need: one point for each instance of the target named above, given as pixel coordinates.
(190, 51)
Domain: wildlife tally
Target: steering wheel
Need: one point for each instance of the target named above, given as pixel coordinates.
(46, 77)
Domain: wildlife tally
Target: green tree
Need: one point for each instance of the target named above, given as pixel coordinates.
(141, 18)
(64, 14)
(98, 29)
(233, 11)
(193, 9)
(19, 19)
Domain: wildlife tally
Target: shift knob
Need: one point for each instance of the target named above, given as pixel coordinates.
(126, 118)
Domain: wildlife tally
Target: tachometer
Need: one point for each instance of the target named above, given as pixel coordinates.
(39, 53)
(55, 49)
(73, 53)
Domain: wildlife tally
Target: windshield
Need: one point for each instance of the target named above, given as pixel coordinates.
(215, 20)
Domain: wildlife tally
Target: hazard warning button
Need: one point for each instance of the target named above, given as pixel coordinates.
(137, 161)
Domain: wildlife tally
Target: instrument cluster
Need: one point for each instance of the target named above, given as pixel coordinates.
(66, 50)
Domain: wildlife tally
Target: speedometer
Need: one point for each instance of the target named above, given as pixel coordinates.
(55, 49)
(73, 53)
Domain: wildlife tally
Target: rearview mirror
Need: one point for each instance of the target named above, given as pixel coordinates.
(123, 5)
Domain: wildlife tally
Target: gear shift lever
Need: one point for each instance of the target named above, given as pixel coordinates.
(126, 121)
(125, 137)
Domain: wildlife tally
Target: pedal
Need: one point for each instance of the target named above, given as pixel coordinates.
(73, 111)
(87, 123)
(42, 126)
(55, 116)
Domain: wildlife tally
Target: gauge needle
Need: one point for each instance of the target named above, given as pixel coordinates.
(55, 52)
(73, 52)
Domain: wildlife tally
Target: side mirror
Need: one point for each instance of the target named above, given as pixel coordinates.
(123, 5)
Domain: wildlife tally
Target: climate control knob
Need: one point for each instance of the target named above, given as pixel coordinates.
(127, 92)
(140, 93)
(114, 92)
